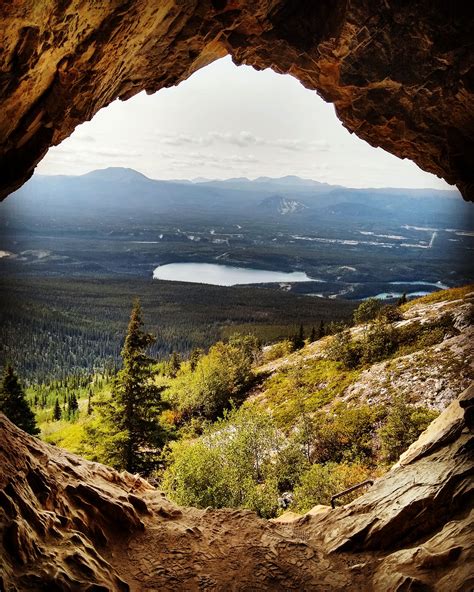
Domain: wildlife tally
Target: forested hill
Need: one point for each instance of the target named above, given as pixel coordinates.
(52, 327)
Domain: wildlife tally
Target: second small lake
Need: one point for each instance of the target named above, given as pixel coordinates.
(224, 275)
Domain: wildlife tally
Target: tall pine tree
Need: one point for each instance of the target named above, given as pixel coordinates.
(14, 404)
(57, 411)
(130, 429)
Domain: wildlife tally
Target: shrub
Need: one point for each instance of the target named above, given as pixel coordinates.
(389, 313)
(378, 343)
(230, 465)
(367, 310)
(345, 434)
(278, 350)
(403, 426)
(344, 349)
(322, 481)
(219, 377)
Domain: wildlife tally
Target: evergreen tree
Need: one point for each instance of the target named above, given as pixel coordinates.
(402, 299)
(312, 335)
(72, 406)
(298, 339)
(321, 330)
(174, 364)
(128, 426)
(57, 411)
(194, 357)
(89, 402)
(14, 404)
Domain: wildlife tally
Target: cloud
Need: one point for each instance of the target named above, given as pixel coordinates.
(92, 152)
(296, 145)
(86, 138)
(243, 139)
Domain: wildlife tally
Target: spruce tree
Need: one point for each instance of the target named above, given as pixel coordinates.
(312, 335)
(298, 339)
(174, 364)
(194, 358)
(131, 414)
(14, 404)
(57, 411)
(72, 406)
(89, 402)
(402, 299)
(321, 330)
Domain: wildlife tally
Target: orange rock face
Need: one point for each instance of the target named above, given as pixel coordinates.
(401, 76)
(69, 524)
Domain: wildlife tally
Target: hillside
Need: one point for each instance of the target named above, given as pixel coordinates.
(432, 370)
(246, 434)
(277, 439)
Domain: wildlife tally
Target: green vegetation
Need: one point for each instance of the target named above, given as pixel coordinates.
(228, 466)
(380, 339)
(216, 379)
(403, 426)
(305, 387)
(57, 327)
(216, 430)
(367, 311)
(451, 294)
(13, 402)
(321, 482)
(126, 427)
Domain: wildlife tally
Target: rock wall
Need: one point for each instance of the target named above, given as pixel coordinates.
(401, 74)
(69, 524)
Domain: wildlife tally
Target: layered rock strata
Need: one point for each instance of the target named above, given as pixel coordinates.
(69, 524)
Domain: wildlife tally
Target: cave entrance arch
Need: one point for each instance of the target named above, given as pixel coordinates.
(413, 98)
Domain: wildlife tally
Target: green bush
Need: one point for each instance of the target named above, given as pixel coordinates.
(322, 481)
(345, 434)
(231, 465)
(367, 311)
(278, 350)
(403, 426)
(389, 313)
(343, 348)
(378, 342)
(219, 377)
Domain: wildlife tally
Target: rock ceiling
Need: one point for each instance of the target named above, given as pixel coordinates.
(401, 75)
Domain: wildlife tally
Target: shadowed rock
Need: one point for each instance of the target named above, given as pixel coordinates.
(401, 76)
(69, 524)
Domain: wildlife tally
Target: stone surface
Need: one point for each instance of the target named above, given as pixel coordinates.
(432, 376)
(69, 524)
(401, 75)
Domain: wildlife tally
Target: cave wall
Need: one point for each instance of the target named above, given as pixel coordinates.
(400, 74)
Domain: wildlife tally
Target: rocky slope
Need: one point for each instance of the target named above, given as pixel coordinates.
(400, 74)
(432, 376)
(68, 524)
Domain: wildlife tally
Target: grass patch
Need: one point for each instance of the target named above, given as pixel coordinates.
(64, 434)
(306, 387)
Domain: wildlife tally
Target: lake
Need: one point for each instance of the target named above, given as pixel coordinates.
(223, 275)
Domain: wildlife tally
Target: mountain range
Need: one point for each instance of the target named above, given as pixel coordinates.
(122, 192)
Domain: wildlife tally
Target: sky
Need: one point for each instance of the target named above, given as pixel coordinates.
(228, 121)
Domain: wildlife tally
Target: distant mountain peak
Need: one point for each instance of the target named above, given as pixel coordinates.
(115, 174)
(282, 205)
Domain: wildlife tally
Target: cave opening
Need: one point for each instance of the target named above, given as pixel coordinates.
(400, 77)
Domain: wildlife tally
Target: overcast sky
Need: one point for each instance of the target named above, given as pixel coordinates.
(228, 121)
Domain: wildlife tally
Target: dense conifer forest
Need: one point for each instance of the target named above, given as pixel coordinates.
(54, 327)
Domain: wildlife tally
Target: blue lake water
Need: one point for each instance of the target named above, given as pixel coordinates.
(223, 275)
(389, 295)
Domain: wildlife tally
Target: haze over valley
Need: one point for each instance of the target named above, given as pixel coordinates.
(117, 222)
